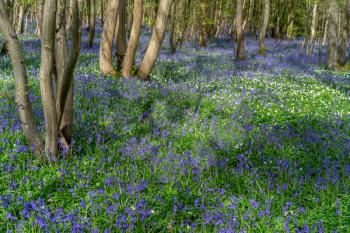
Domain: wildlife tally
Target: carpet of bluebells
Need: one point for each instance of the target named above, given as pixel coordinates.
(209, 145)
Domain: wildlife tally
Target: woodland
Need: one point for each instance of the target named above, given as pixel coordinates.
(226, 116)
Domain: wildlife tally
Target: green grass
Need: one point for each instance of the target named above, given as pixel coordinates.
(203, 148)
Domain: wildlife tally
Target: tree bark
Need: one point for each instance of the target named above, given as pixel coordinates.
(23, 103)
(46, 79)
(65, 85)
(129, 58)
(40, 17)
(325, 28)
(262, 46)
(69, 17)
(102, 13)
(19, 29)
(120, 36)
(202, 29)
(249, 15)
(277, 31)
(185, 20)
(8, 8)
(311, 42)
(156, 40)
(240, 53)
(332, 35)
(106, 47)
(344, 34)
(66, 121)
(92, 23)
(172, 29)
(219, 20)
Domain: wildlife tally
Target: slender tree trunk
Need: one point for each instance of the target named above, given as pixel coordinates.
(121, 34)
(202, 29)
(344, 35)
(262, 46)
(325, 29)
(240, 53)
(88, 10)
(23, 103)
(290, 27)
(184, 23)
(66, 124)
(277, 31)
(155, 10)
(65, 85)
(129, 58)
(156, 40)
(15, 15)
(219, 20)
(92, 22)
(332, 35)
(311, 42)
(19, 29)
(8, 8)
(106, 47)
(40, 17)
(211, 29)
(192, 32)
(249, 15)
(24, 27)
(172, 29)
(61, 54)
(46, 79)
(69, 17)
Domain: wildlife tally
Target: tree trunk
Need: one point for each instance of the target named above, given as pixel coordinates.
(120, 34)
(155, 10)
(61, 53)
(202, 29)
(69, 17)
(8, 9)
(92, 23)
(240, 53)
(332, 35)
(172, 29)
(88, 15)
(184, 23)
(66, 124)
(311, 42)
(102, 13)
(65, 90)
(249, 16)
(23, 103)
(129, 58)
(46, 79)
(219, 20)
(19, 29)
(156, 40)
(262, 46)
(344, 35)
(106, 47)
(325, 29)
(211, 25)
(40, 17)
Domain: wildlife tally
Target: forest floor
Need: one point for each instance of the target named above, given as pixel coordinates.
(209, 145)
